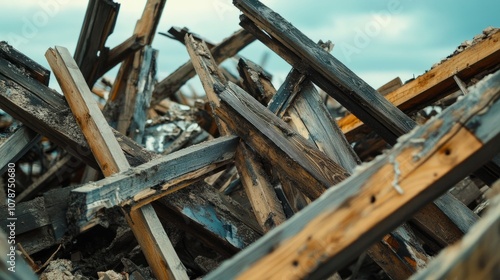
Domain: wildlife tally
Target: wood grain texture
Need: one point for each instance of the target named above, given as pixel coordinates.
(138, 183)
(259, 190)
(439, 80)
(346, 220)
(155, 244)
(475, 256)
(46, 112)
(98, 24)
(329, 73)
(147, 228)
(227, 48)
(33, 69)
(89, 117)
(273, 139)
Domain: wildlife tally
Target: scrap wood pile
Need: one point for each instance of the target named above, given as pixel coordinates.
(136, 179)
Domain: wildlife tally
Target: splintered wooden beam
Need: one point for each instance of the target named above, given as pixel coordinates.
(124, 91)
(326, 71)
(475, 256)
(147, 228)
(87, 114)
(227, 48)
(346, 220)
(46, 112)
(16, 145)
(310, 117)
(256, 81)
(98, 24)
(136, 186)
(32, 69)
(438, 81)
(259, 190)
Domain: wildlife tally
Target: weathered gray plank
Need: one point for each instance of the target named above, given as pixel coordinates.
(169, 170)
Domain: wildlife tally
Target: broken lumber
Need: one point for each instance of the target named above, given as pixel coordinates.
(475, 256)
(325, 70)
(98, 24)
(46, 112)
(227, 48)
(16, 145)
(437, 81)
(346, 220)
(120, 106)
(144, 222)
(259, 190)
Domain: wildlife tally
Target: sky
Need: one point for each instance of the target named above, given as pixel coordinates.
(378, 40)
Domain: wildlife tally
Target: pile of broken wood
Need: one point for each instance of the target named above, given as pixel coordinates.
(139, 179)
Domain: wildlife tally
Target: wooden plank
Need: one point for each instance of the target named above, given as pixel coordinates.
(439, 80)
(96, 130)
(98, 24)
(131, 186)
(16, 145)
(309, 116)
(145, 84)
(329, 73)
(305, 56)
(256, 81)
(120, 107)
(227, 48)
(346, 220)
(274, 140)
(33, 69)
(259, 190)
(155, 244)
(147, 228)
(46, 112)
(475, 256)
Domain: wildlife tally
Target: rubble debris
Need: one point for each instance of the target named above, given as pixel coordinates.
(131, 178)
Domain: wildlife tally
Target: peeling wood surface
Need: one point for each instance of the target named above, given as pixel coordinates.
(346, 220)
(273, 139)
(147, 228)
(47, 113)
(98, 24)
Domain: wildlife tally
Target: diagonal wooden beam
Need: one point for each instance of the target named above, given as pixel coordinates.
(260, 192)
(327, 234)
(227, 48)
(326, 71)
(438, 81)
(147, 228)
(475, 256)
(16, 145)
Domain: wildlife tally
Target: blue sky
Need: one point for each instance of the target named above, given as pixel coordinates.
(378, 40)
